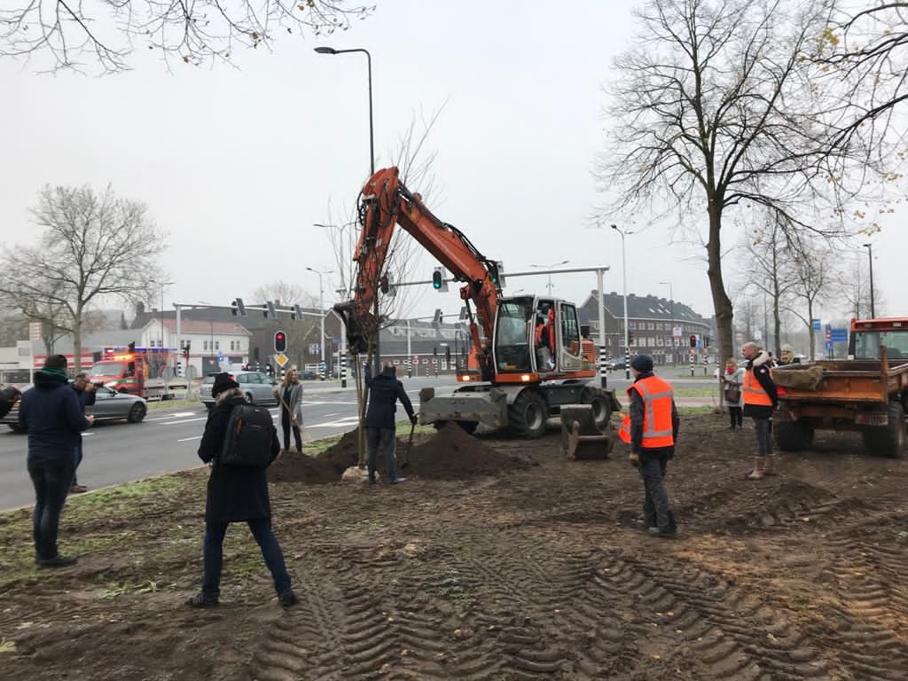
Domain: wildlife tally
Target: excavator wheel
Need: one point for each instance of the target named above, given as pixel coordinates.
(602, 407)
(528, 414)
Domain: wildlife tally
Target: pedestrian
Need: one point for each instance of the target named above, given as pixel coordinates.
(732, 381)
(236, 494)
(787, 356)
(384, 392)
(290, 395)
(85, 389)
(651, 429)
(760, 398)
(51, 414)
(8, 397)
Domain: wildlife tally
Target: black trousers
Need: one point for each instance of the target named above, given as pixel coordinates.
(285, 426)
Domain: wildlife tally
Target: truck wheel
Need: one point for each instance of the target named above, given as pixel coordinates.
(527, 415)
(602, 407)
(136, 413)
(888, 440)
(792, 436)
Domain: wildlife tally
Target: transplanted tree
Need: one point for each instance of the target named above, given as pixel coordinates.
(715, 108)
(103, 35)
(92, 245)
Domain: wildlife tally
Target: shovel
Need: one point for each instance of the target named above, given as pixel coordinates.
(406, 461)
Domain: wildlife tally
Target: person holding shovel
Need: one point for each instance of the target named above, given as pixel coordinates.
(384, 392)
(290, 395)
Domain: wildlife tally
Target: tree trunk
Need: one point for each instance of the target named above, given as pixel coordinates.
(721, 302)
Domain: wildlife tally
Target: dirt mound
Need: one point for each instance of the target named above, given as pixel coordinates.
(453, 454)
(449, 454)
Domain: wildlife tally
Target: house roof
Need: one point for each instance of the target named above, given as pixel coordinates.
(644, 307)
(195, 326)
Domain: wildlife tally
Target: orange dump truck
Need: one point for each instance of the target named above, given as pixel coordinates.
(868, 392)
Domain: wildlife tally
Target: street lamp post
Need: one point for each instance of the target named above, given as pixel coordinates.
(869, 248)
(162, 284)
(627, 350)
(331, 50)
(548, 267)
(671, 297)
(321, 306)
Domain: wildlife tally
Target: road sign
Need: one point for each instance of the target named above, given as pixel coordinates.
(281, 359)
(839, 335)
(816, 324)
(676, 332)
(34, 331)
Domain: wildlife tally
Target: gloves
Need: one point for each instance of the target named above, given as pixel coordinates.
(634, 458)
(413, 419)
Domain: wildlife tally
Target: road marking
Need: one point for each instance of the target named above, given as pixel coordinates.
(188, 439)
(178, 415)
(177, 423)
(340, 423)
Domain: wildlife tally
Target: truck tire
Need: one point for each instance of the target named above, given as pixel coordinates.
(527, 416)
(602, 407)
(792, 436)
(888, 440)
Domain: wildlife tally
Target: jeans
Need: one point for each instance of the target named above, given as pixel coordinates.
(285, 426)
(764, 436)
(657, 509)
(52, 480)
(384, 439)
(213, 555)
(77, 460)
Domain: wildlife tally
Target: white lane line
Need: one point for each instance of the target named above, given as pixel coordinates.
(340, 423)
(177, 423)
(188, 439)
(182, 414)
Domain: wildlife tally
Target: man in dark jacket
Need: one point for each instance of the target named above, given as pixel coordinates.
(8, 397)
(85, 389)
(236, 494)
(384, 392)
(51, 413)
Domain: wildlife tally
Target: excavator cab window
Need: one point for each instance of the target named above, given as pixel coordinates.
(513, 329)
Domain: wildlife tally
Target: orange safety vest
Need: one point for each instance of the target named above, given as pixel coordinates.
(657, 413)
(753, 392)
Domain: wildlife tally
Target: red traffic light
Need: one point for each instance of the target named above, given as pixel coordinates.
(693, 340)
(280, 341)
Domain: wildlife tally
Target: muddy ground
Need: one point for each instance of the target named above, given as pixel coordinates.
(497, 559)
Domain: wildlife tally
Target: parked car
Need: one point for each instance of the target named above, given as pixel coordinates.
(109, 406)
(308, 375)
(615, 364)
(256, 385)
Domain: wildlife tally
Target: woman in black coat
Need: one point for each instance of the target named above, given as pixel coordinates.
(236, 494)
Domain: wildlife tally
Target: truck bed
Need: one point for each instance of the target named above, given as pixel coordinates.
(841, 380)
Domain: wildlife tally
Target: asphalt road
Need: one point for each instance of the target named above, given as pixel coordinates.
(168, 438)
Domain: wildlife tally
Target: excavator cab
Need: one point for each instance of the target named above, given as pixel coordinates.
(537, 336)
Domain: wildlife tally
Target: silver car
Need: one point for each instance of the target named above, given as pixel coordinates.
(109, 406)
(256, 386)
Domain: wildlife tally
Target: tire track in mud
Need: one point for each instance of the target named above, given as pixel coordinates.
(866, 580)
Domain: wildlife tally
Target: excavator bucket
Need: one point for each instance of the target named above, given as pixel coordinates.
(357, 326)
(580, 436)
(469, 407)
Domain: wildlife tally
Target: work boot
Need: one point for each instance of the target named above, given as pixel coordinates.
(759, 467)
(57, 561)
(288, 599)
(78, 489)
(202, 600)
(770, 468)
(396, 481)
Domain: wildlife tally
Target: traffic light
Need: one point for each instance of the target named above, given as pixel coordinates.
(383, 284)
(238, 308)
(268, 310)
(693, 340)
(706, 341)
(296, 312)
(448, 354)
(280, 341)
(630, 337)
(438, 319)
(438, 279)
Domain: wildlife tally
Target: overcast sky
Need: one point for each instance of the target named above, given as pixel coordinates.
(237, 165)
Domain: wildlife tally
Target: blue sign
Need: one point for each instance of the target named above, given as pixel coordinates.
(816, 324)
(839, 335)
(220, 356)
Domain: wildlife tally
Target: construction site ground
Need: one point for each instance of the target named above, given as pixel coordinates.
(497, 559)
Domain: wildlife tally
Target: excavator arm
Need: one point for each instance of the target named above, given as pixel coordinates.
(384, 203)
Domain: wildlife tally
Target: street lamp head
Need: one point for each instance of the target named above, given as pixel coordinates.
(868, 245)
(326, 50)
(615, 227)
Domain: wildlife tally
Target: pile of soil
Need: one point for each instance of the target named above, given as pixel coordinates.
(450, 454)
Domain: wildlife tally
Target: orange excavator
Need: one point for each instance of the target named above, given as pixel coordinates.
(529, 353)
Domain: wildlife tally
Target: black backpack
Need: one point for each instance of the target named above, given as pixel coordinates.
(250, 433)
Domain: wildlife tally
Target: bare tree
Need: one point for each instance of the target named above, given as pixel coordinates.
(716, 108)
(866, 47)
(812, 266)
(300, 332)
(93, 245)
(106, 32)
